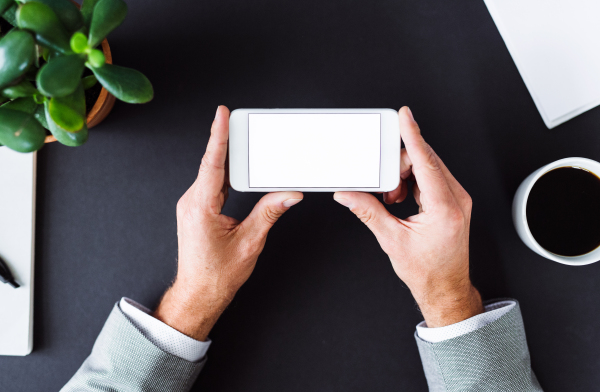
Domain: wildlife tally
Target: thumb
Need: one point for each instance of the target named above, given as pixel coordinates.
(369, 210)
(268, 210)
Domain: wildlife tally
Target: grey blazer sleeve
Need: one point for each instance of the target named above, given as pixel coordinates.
(124, 360)
(492, 358)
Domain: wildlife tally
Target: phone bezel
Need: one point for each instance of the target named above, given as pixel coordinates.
(389, 174)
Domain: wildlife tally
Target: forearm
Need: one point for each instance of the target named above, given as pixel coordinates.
(444, 304)
(191, 311)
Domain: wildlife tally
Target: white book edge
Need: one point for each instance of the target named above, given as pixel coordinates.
(23, 273)
(32, 272)
(550, 122)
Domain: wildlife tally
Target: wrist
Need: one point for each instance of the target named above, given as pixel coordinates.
(191, 311)
(444, 306)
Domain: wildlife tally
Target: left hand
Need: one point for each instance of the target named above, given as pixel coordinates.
(217, 253)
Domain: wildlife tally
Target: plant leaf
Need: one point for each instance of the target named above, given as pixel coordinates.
(127, 84)
(65, 116)
(20, 131)
(40, 115)
(48, 30)
(87, 9)
(89, 82)
(17, 53)
(61, 76)
(5, 4)
(71, 139)
(66, 11)
(52, 55)
(26, 105)
(107, 16)
(69, 112)
(10, 14)
(23, 89)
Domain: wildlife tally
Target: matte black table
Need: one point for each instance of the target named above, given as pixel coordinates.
(323, 310)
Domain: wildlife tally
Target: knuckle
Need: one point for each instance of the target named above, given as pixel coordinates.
(270, 214)
(468, 201)
(208, 162)
(183, 207)
(205, 164)
(252, 246)
(180, 207)
(188, 209)
(185, 214)
(366, 216)
(431, 157)
(456, 219)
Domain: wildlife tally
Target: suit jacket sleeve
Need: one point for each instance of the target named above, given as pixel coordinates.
(492, 358)
(123, 359)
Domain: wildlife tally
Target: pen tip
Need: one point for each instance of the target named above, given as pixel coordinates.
(14, 284)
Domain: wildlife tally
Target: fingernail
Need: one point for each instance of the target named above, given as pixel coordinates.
(344, 202)
(410, 113)
(397, 201)
(291, 202)
(217, 113)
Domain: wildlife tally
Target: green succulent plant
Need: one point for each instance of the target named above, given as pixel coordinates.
(43, 56)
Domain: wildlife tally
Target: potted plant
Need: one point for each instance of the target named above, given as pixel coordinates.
(50, 60)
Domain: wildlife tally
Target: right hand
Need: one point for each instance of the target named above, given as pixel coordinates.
(429, 251)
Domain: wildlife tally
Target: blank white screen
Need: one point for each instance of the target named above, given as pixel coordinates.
(314, 150)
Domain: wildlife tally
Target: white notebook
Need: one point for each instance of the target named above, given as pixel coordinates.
(556, 47)
(17, 229)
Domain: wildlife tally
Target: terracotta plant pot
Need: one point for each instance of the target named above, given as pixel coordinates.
(104, 103)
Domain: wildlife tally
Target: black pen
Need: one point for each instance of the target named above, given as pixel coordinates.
(6, 276)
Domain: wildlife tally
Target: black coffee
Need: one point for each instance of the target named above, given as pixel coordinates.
(563, 211)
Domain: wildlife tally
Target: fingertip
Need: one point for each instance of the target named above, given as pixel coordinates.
(291, 202)
(344, 198)
(409, 131)
(394, 195)
(400, 199)
(409, 113)
(408, 125)
(222, 112)
(406, 114)
(387, 198)
(345, 194)
(338, 195)
(294, 198)
(285, 199)
(296, 195)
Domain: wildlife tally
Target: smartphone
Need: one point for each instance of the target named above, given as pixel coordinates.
(314, 150)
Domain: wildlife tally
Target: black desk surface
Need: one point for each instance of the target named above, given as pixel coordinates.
(323, 310)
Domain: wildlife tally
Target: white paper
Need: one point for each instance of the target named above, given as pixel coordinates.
(556, 47)
(17, 215)
(314, 150)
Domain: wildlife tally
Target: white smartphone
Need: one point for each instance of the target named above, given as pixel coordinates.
(314, 150)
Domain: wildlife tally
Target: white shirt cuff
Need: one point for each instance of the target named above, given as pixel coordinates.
(492, 313)
(163, 336)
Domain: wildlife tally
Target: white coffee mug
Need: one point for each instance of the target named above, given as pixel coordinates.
(519, 211)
